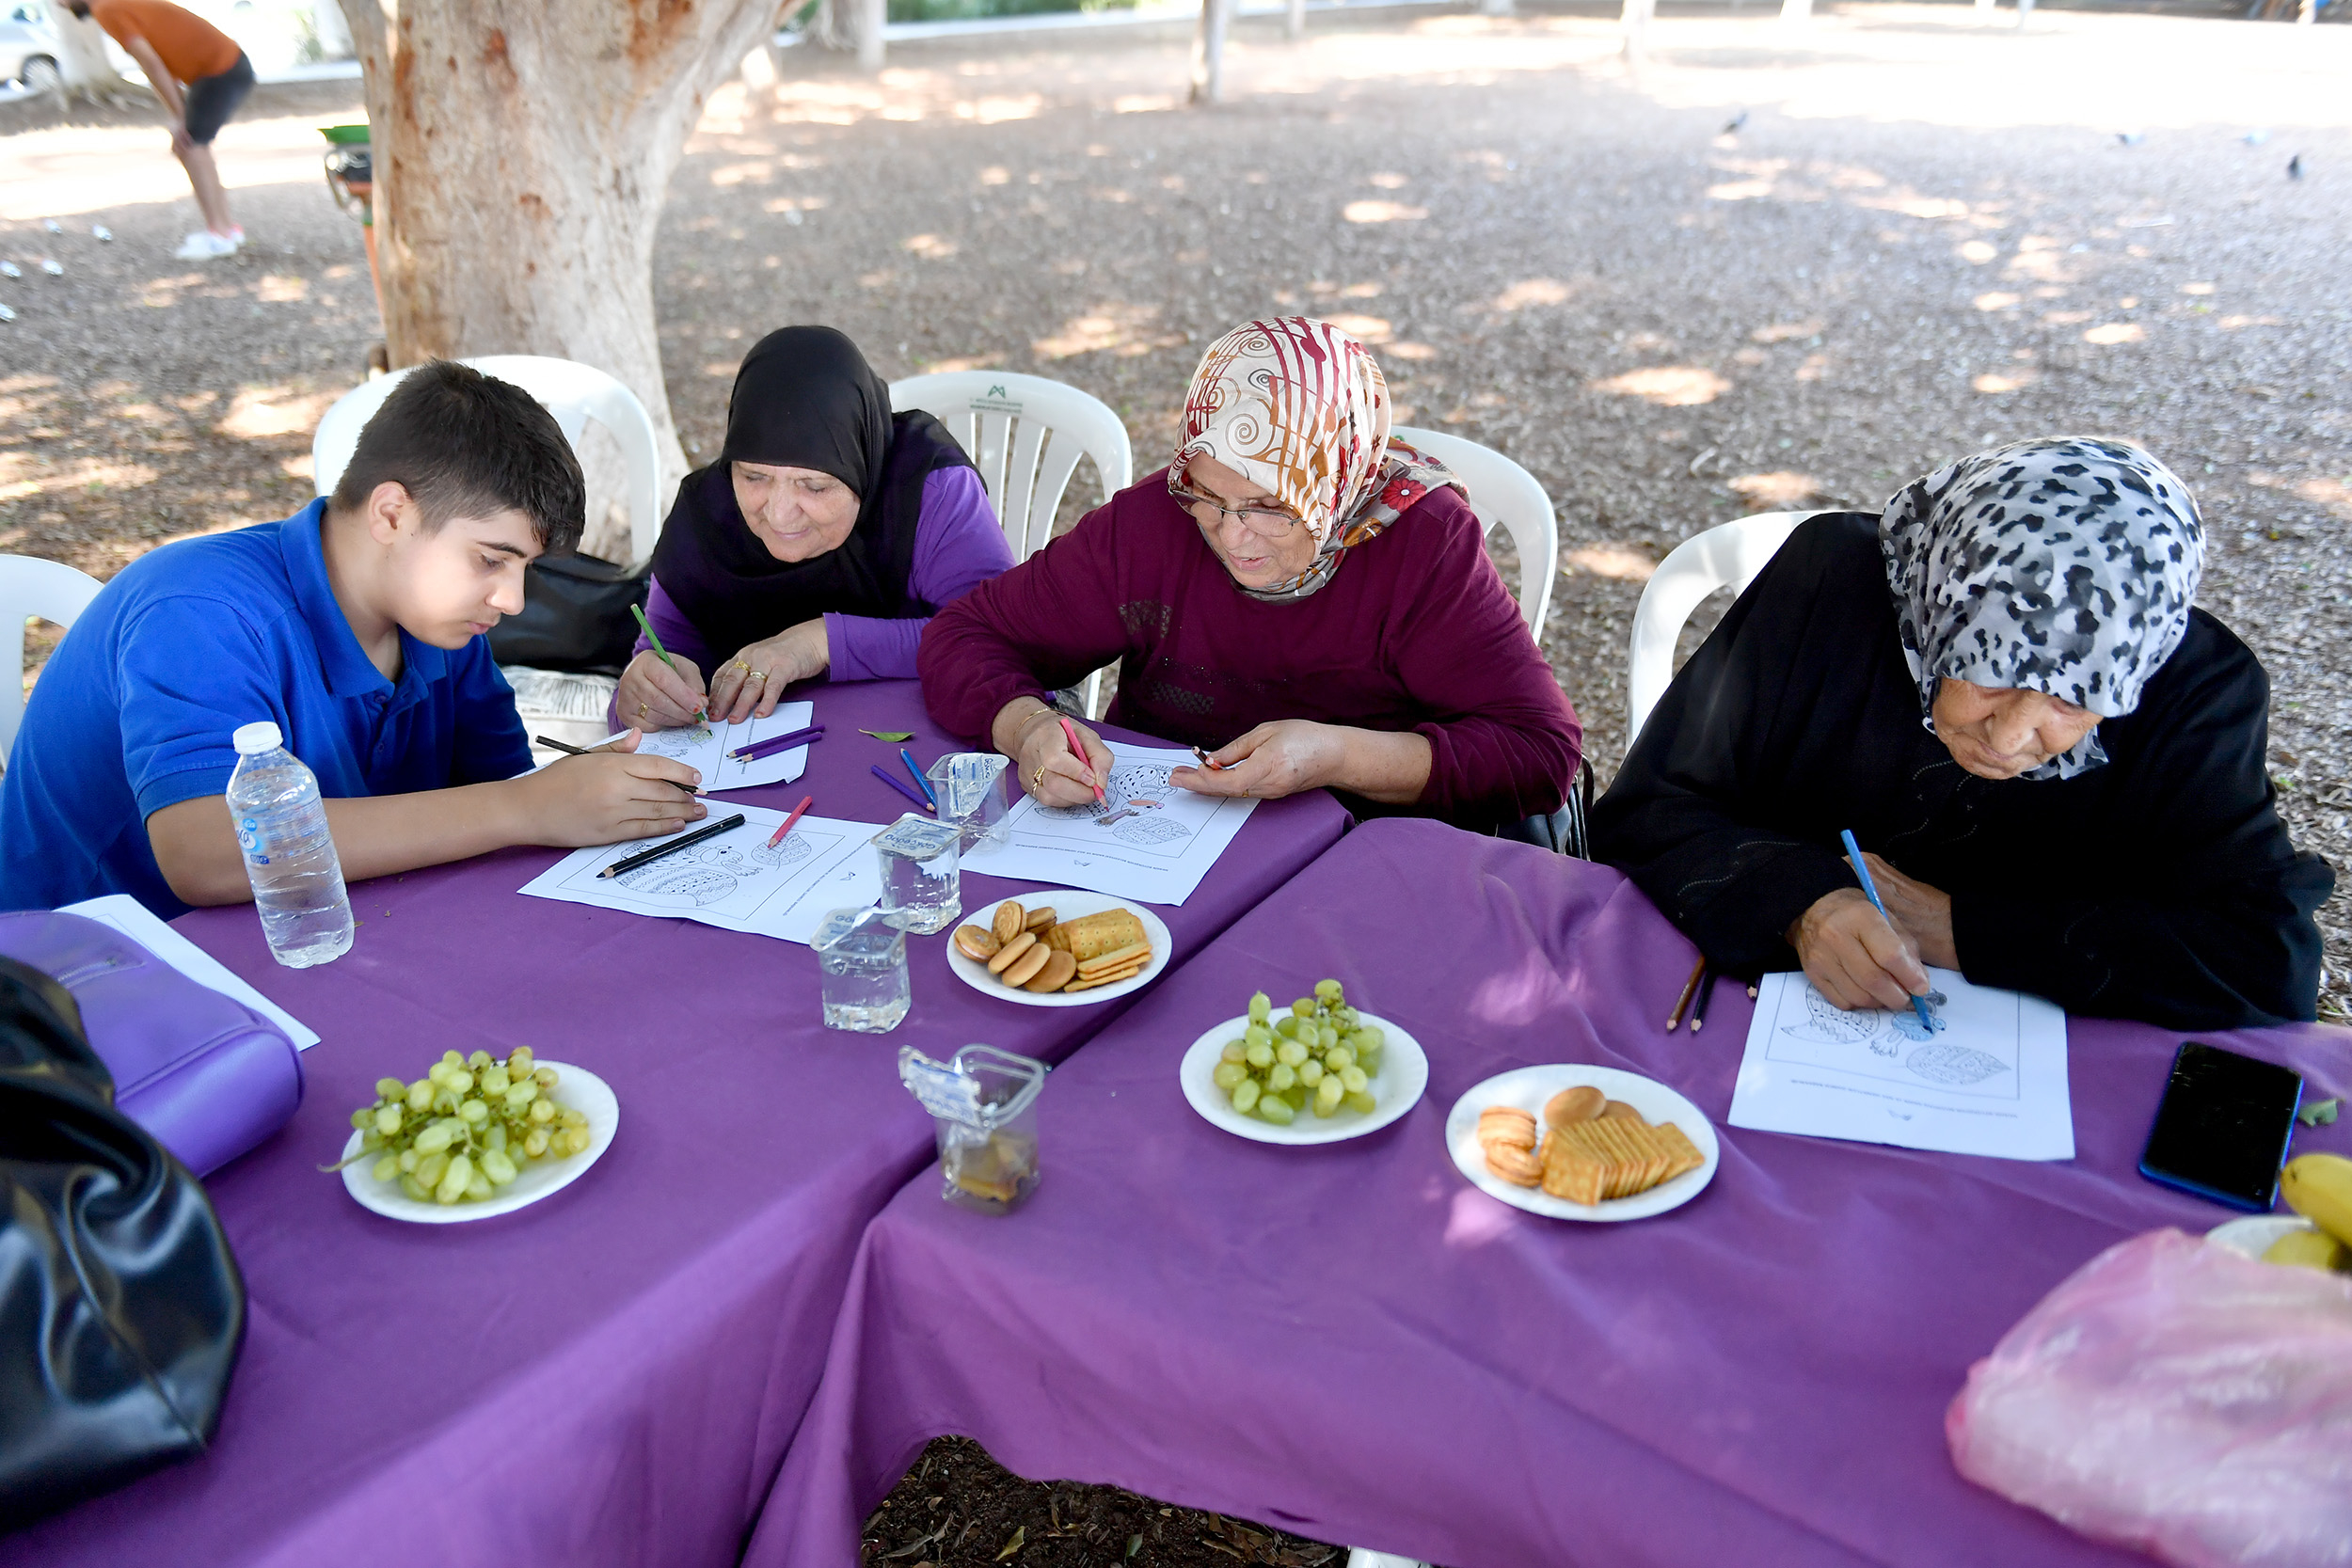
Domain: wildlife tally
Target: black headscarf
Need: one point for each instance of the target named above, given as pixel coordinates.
(804, 398)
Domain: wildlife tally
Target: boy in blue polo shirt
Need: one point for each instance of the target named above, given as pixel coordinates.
(357, 626)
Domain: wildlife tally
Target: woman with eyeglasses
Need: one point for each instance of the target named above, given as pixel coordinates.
(2055, 766)
(827, 531)
(1305, 599)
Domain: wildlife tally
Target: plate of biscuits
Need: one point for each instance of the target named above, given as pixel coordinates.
(1574, 1141)
(1059, 948)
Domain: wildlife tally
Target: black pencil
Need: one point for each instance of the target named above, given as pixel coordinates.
(1698, 1003)
(544, 740)
(646, 857)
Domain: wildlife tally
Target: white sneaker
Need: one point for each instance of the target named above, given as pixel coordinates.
(205, 245)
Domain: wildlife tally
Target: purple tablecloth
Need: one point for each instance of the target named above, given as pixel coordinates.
(1354, 1342)
(611, 1376)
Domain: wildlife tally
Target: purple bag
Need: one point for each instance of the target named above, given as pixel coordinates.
(205, 1074)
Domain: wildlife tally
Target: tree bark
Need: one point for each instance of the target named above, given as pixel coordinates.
(522, 151)
(83, 68)
(1208, 52)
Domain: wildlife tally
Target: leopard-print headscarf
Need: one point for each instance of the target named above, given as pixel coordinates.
(2064, 565)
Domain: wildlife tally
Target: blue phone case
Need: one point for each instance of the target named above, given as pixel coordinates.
(2228, 1200)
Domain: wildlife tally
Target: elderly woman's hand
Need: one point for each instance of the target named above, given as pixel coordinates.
(1032, 735)
(1921, 913)
(750, 683)
(1854, 957)
(654, 696)
(1293, 755)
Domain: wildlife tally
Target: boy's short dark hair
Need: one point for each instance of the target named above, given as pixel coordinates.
(79, 7)
(467, 445)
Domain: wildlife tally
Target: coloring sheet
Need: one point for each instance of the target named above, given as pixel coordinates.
(705, 747)
(734, 881)
(1988, 1078)
(1147, 840)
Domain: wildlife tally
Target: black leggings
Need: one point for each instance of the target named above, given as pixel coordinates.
(210, 100)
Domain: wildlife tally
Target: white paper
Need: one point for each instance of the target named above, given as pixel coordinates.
(705, 748)
(733, 882)
(1990, 1080)
(135, 920)
(1149, 840)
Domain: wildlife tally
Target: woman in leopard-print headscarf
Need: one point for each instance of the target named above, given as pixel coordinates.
(2056, 765)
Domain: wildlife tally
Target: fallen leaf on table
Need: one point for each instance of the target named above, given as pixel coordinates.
(889, 734)
(2320, 1113)
(1019, 1535)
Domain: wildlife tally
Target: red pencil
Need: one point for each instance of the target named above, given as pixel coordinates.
(1071, 732)
(806, 801)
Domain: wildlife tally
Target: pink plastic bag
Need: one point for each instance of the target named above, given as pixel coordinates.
(2178, 1398)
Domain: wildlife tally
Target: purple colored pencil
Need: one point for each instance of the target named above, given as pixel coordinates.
(901, 787)
(758, 748)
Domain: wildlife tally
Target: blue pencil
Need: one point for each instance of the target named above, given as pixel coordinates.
(1853, 854)
(920, 782)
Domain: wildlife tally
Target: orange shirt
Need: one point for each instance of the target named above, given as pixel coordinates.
(189, 46)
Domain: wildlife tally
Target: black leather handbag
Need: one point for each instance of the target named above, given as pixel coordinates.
(121, 1311)
(575, 616)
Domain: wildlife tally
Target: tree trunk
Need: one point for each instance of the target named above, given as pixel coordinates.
(1208, 52)
(1633, 19)
(83, 68)
(522, 151)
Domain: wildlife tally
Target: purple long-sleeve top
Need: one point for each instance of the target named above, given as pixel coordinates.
(957, 545)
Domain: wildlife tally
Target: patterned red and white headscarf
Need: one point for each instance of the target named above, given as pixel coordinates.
(1299, 408)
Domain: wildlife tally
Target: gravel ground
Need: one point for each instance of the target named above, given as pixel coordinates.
(1924, 238)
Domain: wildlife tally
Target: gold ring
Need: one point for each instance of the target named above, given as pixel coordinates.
(640, 710)
(743, 664)
(759, 674)
(1037, 779)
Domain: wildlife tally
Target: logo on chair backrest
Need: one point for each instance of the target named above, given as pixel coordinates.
(997, 391)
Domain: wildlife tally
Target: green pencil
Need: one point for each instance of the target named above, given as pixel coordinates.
(654, 637)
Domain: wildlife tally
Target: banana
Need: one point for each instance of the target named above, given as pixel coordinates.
(2310, 1249)
(2319, 1188)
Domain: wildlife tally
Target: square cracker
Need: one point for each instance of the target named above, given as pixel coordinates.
(1572, 1171)
(1683, 1154)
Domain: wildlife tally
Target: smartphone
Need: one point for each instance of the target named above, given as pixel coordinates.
(2223, 1127)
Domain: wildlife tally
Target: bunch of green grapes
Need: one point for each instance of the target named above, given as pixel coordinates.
(1319, 1056)
(466, 1128)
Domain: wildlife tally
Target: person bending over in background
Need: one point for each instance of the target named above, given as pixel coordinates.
(1296, 589)
(201, 77)
(356, 626)
(2056, 764)
(824, 536)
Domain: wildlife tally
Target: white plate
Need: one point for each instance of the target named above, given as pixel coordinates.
(1403, 1076)
(2252, 1236)
(1067, 903)
(1529, 1087)
(576, 1089)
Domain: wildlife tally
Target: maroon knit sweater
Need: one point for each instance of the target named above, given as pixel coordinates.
(1413, 632)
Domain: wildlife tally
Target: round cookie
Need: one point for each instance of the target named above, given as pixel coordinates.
(1026, 968)
(1581, 1103)
(976, 943)
(1009, 920)
(1006, 956)
(1059, 967)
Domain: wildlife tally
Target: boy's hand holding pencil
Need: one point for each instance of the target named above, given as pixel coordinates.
(605, 796)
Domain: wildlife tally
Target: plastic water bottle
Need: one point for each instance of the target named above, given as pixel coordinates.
(288, 856)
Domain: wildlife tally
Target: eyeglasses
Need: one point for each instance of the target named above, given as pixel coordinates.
(1263, 521)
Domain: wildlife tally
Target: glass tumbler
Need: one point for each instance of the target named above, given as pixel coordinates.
(983, 1106)
(971, 790)
(862, 966)
(921, 886)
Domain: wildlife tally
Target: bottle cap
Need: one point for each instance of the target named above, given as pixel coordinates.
(251, 740)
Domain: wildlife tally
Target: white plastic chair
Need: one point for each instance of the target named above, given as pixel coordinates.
(1026, 434)
(30, 586)
(574, 393)
(1727, 555)
(1503, 492)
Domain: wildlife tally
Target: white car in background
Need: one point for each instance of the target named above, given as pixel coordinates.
(28, 45)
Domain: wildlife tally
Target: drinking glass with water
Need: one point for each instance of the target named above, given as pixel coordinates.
(289, 855)
(862, 968)
(922, 887)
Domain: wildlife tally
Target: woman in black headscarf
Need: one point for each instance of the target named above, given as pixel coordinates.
(2055, 764)
(826, 535)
